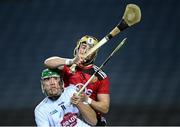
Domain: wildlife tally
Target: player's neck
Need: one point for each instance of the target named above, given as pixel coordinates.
(54, 98)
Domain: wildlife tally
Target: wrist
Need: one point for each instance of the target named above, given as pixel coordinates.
(69, 61)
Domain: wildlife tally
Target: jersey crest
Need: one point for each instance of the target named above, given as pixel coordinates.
(69, 120)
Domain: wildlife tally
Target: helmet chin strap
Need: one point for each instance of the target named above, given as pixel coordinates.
(90, 60)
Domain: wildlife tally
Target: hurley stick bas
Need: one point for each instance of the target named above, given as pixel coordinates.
(131, 16)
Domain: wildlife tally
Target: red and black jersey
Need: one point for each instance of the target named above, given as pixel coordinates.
(99, 85)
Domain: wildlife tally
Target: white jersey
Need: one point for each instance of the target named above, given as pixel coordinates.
(59, 112)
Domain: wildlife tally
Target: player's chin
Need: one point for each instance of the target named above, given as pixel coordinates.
(54, 92)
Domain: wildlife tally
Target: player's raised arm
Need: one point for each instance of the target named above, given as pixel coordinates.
(57, 62)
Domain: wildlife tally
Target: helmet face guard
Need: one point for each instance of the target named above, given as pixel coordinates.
(91, 41)
(48, 73)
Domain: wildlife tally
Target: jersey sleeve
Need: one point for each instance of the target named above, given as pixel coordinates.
(66, 70)
(104, 86)
(66, 75)
(41, 119)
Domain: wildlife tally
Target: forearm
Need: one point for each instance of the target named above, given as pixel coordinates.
(55, 62)
(102, 103)
(87, 113)
(102, 107)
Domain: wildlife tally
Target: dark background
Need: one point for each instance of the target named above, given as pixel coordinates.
(144, 74)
